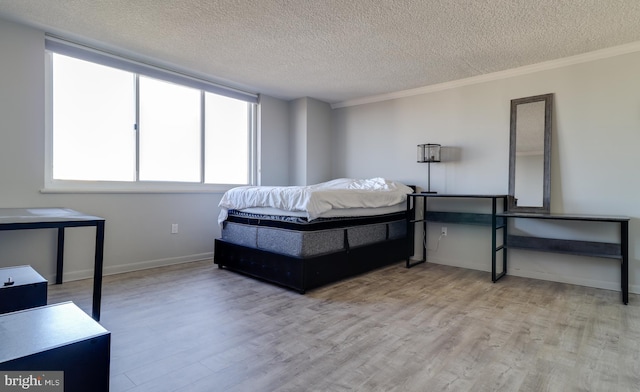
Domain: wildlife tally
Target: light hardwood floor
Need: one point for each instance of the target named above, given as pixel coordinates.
(194, 327)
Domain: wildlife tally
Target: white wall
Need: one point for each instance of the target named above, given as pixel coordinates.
(310, 127)
(594, 158)
(318, 141)
(298, 144)
(273, 140)
(137, 231)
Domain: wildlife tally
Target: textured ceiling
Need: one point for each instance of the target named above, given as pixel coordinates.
(337, 50)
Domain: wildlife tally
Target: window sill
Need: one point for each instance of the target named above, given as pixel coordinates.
(123, 187)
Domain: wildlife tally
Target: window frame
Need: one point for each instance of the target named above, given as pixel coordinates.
(64, 47)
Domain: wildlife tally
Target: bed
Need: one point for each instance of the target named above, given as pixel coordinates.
(305, 237)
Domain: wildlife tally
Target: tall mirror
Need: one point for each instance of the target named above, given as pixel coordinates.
(530, 154)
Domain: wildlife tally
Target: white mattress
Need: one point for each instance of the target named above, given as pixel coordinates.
(336, 213)
(328, 199)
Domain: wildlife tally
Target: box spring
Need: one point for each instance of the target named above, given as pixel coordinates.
(311, 239)
(303, 255)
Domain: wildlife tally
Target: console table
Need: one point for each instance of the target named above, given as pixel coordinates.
(498, 220)
(60, 218)
(490, 219)
(619, 251)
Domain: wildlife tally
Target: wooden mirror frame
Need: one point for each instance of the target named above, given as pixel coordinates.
(546, 193)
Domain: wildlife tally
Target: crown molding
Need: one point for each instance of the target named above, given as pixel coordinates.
(524, 70)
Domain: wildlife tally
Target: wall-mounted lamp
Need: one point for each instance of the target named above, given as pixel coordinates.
(428, 153)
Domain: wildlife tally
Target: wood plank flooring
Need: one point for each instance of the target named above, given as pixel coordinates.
(194, 327)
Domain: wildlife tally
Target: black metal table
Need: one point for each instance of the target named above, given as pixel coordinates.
(60, 218)
(619, 251)
(471, 218)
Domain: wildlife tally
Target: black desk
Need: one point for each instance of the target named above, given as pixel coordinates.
(499, 221)
(618, 251)
(469, 218)
(60, 218)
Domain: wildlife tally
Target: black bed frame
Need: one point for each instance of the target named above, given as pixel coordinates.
(305, 273)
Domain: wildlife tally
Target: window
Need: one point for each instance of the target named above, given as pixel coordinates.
(93, 117)
(169, 132)
(115, 121)
(223, 129)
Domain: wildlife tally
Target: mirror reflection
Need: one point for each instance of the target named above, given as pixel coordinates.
(529, 153)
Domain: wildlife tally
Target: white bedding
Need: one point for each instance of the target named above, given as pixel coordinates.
(314, 201)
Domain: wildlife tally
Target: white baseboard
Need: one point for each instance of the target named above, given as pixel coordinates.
(598, 284)
(135, 266)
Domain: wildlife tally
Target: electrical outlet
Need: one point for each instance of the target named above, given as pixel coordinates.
(443, 231)
(174, 228)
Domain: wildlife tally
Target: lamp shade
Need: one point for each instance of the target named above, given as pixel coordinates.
(428, 153)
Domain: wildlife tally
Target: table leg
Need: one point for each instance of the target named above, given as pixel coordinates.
(411, 216)
(624, 247)
(60, 255)
(97, 271)
(494, 235)
(504, 237)
(425, 208)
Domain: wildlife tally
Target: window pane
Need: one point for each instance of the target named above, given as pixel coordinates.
(93, 118)
(226, 140)
(169, 132)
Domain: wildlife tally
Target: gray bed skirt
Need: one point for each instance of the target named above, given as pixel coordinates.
(311, 243)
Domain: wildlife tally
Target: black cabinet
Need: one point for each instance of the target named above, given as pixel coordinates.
(58, 337)
(21, 288)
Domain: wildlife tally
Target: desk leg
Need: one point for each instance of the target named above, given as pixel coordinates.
(411, 232)
(425, 208)
(97, 271)
(505, 235)
(624, 247)
(494, 235)
(60, 255)
(494, 240)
